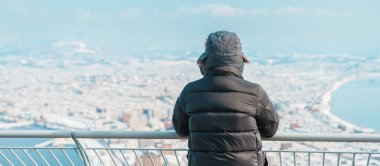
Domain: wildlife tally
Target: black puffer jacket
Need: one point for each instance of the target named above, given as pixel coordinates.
(224, 115)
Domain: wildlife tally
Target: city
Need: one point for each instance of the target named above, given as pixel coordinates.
(120, 93)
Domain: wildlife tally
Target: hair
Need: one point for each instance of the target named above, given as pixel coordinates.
(245, 59)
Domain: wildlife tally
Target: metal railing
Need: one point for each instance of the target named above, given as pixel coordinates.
(81, 152)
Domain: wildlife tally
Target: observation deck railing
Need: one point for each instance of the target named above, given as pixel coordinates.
(95, 153)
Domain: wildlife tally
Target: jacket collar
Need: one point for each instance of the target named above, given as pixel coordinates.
(224, 71)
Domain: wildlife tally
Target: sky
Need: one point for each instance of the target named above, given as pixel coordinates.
(118, 26)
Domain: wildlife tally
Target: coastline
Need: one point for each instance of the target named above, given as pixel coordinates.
(326, 107)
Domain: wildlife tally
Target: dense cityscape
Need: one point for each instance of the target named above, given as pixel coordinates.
(86, 90)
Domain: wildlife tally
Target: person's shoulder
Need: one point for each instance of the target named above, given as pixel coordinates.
(249, 83)
(201, 85)
(195, 83)
(243, 85)
(254, 88)
(246, 83)
(190, 85)
(259, 90)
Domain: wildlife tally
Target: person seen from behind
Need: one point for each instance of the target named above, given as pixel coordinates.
(223, 115)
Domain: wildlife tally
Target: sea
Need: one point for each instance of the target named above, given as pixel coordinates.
(358, 102)
(7, 156)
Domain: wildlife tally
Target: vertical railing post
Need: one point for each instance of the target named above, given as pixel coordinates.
(82, 152)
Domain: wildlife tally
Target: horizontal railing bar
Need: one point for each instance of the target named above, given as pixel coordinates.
(143, 149)
(128, 134)
(305, 151)
(32, 147)
(35, 134)
(315, 137)
(184, 149)
(325, 137)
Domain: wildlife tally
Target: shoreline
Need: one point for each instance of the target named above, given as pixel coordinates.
(326, 107)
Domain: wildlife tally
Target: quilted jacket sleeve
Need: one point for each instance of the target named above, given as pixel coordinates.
(266, 116)
(180, 118)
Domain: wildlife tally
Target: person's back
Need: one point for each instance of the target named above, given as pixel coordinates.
(224, 115)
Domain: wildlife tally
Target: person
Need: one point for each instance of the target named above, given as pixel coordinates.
(224, 115)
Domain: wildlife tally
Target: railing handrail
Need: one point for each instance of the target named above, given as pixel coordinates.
(315, 137)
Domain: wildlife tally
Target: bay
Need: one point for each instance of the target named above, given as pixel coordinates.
(358, 102)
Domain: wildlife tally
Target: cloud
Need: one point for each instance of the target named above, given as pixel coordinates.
(230, 11)
(291, 10)
(329, 12)
(325, 12)
(70, 47)
(256, 12)
(83, 15)
(18, 8)
(215, 10)
(130, 13)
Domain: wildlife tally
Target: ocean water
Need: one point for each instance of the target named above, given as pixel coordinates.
(28, 142)
(358, 102)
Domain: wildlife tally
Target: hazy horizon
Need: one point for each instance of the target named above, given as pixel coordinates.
(116, 27)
